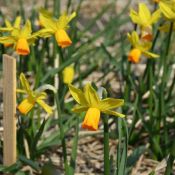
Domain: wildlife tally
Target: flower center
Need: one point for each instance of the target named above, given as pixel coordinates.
(62, 38)
(26, 105)
(91, 119)
(134, 55)
(22, 47)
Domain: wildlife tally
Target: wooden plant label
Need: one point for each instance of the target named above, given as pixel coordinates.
(9, 110)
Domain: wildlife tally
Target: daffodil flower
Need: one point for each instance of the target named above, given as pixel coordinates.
(32, 97)
(9, 27)
(145, 20)
(21, 38)
(68, 74)
(57, 27)
(168, 9)
(88, 100)
(139, 47)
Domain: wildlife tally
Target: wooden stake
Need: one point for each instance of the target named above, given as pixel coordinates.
(9, 111)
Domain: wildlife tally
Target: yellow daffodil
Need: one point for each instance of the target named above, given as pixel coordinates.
(168, 9)
(68, 74)
(32, 97)
(145, 20)
(139, 47)
(57, 27)
(88, 100)
(21, 38)
(9, 28)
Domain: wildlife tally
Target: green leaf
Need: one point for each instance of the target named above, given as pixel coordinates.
(29, 162)
(134, 157)
(37, 138)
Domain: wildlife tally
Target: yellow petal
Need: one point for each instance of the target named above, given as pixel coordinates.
(46, 107)
(25, 83)
(21, 91)
(73, 15)
(144, 14)
(26, 30)
(110, 103)
(78, 95)
(7, 23)
(6, 29)
(64, 19)
(144, 45)
(117, 114)
(91, 95)
(41, 95)
(150, 54)
(48, 22)
(16, 33)
(45, 32)
(167, 11)
(68, 74)
(134, 55)
(17, 22)
(133, 38)
(91, 119)
(62, 38)
(45, 13)
(134, 17)
(26, 105)
(80, 109)
(22, 47)
(155, 16)
(6, 40)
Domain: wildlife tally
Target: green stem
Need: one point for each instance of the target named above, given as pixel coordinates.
(152, 49)
(74, 149)
(21, 63)
(62, 136)
(169, 168)
(46, 4)
(22, 13)
(56, 8)
(106, 146)
(119, 127)
(150, 68)
(163, 83)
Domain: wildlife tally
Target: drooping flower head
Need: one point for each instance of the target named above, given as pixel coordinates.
(145, 20)
(32, 97)
(21, 38)
(139, 47)
(57, 27)
(89, 101)
(68, 74)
